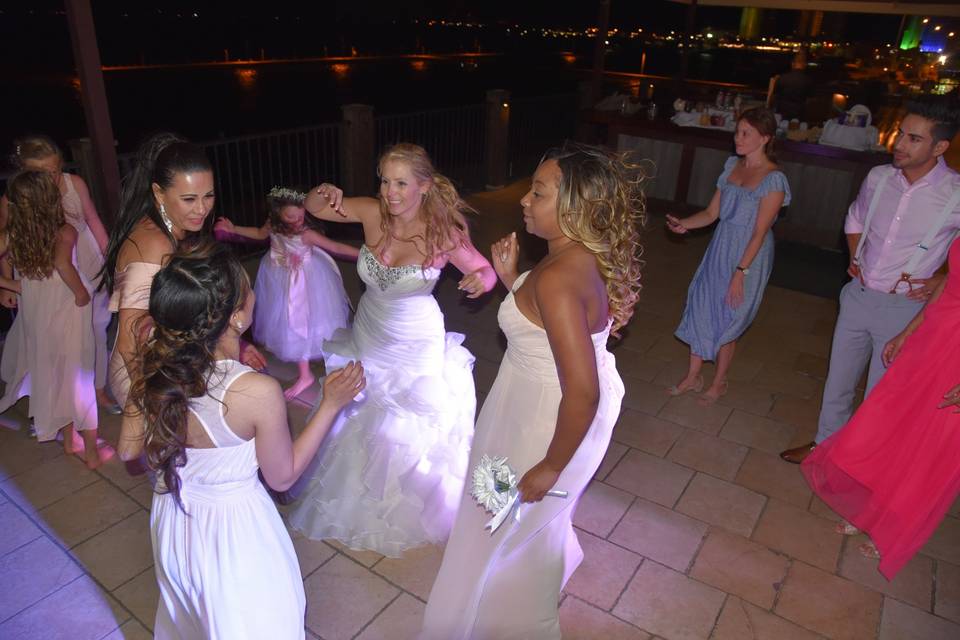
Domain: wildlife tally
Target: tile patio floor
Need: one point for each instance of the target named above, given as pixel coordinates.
(693, 528)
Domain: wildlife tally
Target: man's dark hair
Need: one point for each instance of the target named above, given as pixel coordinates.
(942, 111)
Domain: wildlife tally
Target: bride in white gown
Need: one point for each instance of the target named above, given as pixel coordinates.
(390, 475)
(554, 403)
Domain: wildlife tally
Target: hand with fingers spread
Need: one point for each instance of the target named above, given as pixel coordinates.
(342, 386)
(922, 288)
(251, 356)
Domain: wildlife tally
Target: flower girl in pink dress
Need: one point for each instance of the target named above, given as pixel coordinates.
(302, 300)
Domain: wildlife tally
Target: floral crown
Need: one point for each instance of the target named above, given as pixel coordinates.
(283, 193)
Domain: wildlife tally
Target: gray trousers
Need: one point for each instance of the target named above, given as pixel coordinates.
(868, 320)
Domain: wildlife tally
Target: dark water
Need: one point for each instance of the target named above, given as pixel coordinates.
(210, 102)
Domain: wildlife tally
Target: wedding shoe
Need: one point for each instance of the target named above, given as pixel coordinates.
(696, 388)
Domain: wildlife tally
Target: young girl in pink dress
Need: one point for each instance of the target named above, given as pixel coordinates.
(893, 471)
(302, 301)
(54, 359)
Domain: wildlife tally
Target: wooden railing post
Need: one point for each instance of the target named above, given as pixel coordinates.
(497, 137)
(81, 151)
(357, 152)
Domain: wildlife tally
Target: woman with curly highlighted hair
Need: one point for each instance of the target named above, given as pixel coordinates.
(391, 475)
(552, 408)
(55, 355)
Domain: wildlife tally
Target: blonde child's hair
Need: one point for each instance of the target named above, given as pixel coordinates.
(35, 217)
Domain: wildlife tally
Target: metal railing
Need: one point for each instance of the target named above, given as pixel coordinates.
(454, 138)
(537, 124)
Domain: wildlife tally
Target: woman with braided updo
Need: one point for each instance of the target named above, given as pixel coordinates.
(552, 408)
(224, 561)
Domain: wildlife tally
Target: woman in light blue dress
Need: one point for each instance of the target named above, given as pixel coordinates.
(725, 294)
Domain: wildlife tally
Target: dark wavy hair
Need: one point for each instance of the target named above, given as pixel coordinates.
(942, 112)
(159, 160)
(191, 301)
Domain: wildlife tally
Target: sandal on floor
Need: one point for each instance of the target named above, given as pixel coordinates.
(697, 387)
(705, 400)
(846, 529)
(869, 550)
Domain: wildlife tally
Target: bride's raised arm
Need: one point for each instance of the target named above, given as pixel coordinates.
(326, 202)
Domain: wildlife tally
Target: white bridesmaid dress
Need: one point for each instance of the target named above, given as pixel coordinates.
(225, 564)
(506, 585)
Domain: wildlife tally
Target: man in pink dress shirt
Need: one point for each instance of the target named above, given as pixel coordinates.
(899, 230)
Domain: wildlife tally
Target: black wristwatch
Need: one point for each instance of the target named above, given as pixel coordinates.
(745, 270)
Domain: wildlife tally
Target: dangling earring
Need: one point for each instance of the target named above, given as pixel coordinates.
(167, 222)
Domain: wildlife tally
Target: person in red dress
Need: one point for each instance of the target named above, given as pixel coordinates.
(894, 470)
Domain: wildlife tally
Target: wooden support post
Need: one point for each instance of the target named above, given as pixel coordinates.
(357, 152)
(83, 35)
(497, 138)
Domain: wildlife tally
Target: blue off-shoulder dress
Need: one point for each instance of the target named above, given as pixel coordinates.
(708, 321)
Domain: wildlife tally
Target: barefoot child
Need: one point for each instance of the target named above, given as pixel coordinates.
(54, 360)
(302, 301)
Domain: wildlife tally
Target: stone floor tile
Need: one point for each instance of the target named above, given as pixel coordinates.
(746, 397)
(130, 630)
(799, 412)
(33, 572)
(721, 503)
(415, 571)
(913, 584)
(600, 508)
(783, 379)
(85, 513)
(811, 365)
(402, 620)
(644, 432)
(365, 557)
(16, 529)
(310, 553)
(631, 366)
(676, 370)
(119, 553)
(143, 494)
(741, 620)
(738, 566)
(767, 474)
(948, 591)
(669, 348)
(660, 534)
(799, 534)
(686, 411)
(644, 396)
(343, 596)
(757, 432)
(709, 454)
(141, 596)
(124, 475)
(615, 451)
(581, 621)
(79, 611)
(20, 453)
(49, 482)
(650, 477)
(820, 508)
(902, 622)
(669, 604)
(836, 607)
(944, 544)
(605, 571)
